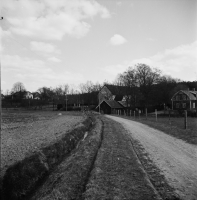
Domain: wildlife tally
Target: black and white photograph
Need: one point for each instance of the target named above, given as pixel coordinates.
(98, 99)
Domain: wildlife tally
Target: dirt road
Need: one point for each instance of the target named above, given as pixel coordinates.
(176, 159)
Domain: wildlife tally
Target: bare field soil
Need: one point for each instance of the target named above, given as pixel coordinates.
(176, 159)
(24, 132)
(173, 126)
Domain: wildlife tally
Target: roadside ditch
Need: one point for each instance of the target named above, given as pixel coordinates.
(23, 178)
(69, 179)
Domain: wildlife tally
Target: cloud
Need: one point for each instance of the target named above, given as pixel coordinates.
(34, 73)
(114, 70)
(51, 20)
(43, 47)
(117, 40)
(118, 3)
(54, 59)
(179, 62)
(152, 39)
(17, 64)
(3, 34)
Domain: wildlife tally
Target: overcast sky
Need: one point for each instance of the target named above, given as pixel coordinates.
(53, 42)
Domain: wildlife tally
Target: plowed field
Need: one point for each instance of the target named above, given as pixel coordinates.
(24, 132)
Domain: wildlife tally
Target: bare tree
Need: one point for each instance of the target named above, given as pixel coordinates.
(7, 92)
(61, 90)
(18, 87)
(146, 77)
(96, 87)
(86, 87)
(45, 93)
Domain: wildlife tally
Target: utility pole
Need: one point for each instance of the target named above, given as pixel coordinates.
(99, 105)
(0, 90)
(66, 101)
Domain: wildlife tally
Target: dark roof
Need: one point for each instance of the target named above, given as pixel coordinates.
(112, 103)
(123, 103)
(118, 90)
(191, 94)
(194, 92)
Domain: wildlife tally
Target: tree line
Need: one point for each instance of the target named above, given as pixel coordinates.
(147, 87)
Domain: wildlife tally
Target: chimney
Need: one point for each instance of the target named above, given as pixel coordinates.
(193, 89)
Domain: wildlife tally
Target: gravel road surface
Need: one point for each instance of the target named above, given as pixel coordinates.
(176, 159)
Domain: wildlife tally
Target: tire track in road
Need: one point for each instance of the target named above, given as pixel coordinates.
(117, 172)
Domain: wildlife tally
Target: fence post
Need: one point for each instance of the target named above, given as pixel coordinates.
(146, 112)
(134, 114)
(130, 113)
(139, 113)
(156, 114)
(185, 119)
(169, 118)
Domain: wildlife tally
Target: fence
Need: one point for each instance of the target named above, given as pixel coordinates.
(168, 117)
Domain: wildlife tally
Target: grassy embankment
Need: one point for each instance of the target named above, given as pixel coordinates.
(173, 126)
(68, 181)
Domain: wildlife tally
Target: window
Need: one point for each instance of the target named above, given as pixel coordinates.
(194, 105)
(177, 105)
(177, 97)
(184, 97)
(184, 105)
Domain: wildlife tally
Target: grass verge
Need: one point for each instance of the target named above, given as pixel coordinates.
(173, 127)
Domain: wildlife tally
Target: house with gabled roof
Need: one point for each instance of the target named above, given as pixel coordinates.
(36, 95)
(28, 95)
(184, 100)
(113, 97)
(114, 92)
(110, 106)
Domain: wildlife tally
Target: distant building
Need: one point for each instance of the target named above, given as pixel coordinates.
(184, 100)
(113, 97)
(110, 106)
(36, 95)
(28, 95)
